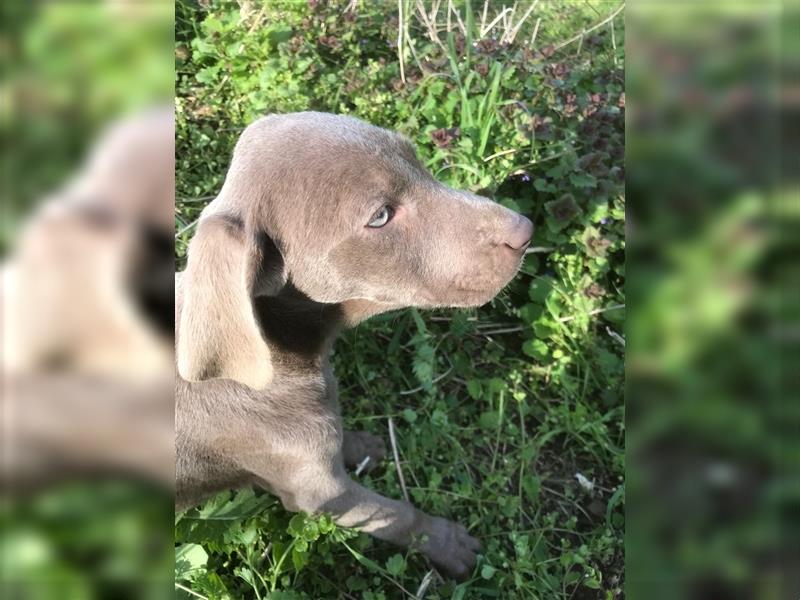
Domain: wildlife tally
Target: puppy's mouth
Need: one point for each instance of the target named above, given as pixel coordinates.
(464, 296)
(474, 298)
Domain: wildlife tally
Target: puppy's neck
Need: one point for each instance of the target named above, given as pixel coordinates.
(299, 331)
(360, 309)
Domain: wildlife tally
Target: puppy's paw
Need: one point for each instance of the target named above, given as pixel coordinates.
(451, 548)
(358, 445)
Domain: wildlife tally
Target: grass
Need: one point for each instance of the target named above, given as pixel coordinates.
(509, 418)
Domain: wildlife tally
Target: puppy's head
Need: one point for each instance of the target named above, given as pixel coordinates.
(347, 214)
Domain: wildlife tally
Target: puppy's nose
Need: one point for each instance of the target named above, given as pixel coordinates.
(519, 235)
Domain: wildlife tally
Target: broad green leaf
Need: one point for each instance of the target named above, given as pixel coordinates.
(396, 565)
(189, 559)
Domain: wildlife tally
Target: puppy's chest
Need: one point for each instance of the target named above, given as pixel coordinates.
(331, 387)
(314, 390)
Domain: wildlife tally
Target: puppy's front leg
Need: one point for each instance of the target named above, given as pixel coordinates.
(316, 490)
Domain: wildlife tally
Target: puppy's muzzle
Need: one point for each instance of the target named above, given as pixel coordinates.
(518, 236)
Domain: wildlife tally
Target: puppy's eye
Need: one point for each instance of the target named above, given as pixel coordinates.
(382, 217)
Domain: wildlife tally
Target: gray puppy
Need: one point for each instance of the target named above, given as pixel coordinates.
(323, 221)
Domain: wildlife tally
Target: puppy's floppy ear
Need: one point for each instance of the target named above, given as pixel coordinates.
(218, 335)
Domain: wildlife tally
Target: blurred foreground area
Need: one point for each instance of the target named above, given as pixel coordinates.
(87, 297)
(713, 488)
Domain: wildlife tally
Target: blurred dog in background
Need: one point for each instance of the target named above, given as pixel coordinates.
(87, 296)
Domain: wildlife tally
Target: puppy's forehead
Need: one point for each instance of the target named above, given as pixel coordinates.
(329, 139)
(303, 159)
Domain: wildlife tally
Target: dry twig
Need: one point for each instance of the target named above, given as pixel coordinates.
(423, 586)
(393, 441)
(575, 38)
(400, 31)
